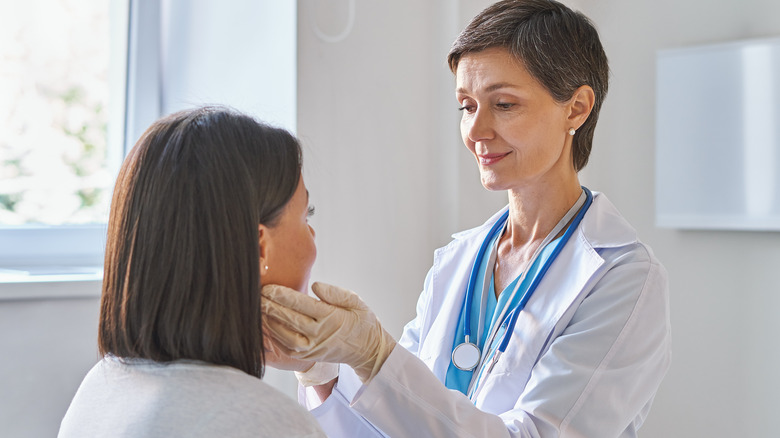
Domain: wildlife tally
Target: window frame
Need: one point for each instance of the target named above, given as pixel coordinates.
(134, 82)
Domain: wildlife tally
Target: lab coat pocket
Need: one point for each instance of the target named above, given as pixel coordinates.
(501, 388)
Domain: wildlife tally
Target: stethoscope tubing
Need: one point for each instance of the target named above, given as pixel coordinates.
(475, 271)
(543, 270)
(514, 314)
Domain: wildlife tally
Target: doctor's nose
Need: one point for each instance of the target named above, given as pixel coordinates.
(479, 127)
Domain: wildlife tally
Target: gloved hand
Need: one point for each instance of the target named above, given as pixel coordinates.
(319, 374)
(338, 328)
(275, 356)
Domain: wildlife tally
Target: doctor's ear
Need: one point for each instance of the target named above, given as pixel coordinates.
(580, 105)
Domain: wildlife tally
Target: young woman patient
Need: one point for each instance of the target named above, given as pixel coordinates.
(208, 206)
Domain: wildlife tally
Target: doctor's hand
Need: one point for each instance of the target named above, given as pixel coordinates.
(276, 357)
(338, 328)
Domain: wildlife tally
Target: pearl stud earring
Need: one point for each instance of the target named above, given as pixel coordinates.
(572, 131)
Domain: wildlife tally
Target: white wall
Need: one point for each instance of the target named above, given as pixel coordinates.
(237, 52)
(47, 345)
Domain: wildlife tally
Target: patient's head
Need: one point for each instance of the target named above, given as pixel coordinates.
(206, 201)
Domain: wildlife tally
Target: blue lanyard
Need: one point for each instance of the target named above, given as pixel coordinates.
(513, 315)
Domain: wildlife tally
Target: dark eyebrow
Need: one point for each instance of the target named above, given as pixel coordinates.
(491, 88)
(307, 196)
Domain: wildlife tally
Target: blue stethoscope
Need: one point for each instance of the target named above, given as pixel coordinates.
(467, 356)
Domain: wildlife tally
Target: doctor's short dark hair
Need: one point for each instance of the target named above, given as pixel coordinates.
(182, 268)
(559, 47)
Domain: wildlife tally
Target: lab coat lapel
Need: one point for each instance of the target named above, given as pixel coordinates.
(550, 309)
(449, 290)
(451, 269)
(561, 289)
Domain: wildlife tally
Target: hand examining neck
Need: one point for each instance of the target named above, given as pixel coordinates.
(337, 328)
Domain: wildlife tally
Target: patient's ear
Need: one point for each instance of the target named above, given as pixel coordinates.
(264, 247)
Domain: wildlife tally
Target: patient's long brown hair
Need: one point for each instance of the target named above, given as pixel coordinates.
(182, 274)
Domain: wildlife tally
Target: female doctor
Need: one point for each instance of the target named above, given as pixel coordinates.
(549, 320)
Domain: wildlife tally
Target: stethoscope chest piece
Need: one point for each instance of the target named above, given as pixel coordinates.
(466, 356)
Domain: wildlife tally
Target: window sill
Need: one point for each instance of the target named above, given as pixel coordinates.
(56, 283)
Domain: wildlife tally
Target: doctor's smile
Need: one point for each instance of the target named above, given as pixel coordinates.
(488, 159)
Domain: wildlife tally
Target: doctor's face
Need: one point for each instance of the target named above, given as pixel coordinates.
(287, 249)
(516, 131)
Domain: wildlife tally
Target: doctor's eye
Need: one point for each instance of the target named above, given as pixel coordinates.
(468, 108)
(505, 105)
(310, 211)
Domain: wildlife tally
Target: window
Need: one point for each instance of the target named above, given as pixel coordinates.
(62, 91)
(161, 56)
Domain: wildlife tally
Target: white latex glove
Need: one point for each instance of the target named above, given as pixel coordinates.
(276, 357)
(319, 374)
(338, 328)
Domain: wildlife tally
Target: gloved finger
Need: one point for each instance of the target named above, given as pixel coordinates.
(293, 299)
(273, 347)
(287, 340)
(269, 342)
(290, 317)
(272, 350)
(338, 296)
(275, 350)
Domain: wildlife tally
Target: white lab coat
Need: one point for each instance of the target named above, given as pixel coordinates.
(585, 358)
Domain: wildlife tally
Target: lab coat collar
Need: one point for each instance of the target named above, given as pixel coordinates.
(607, 229)
(602, 227)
